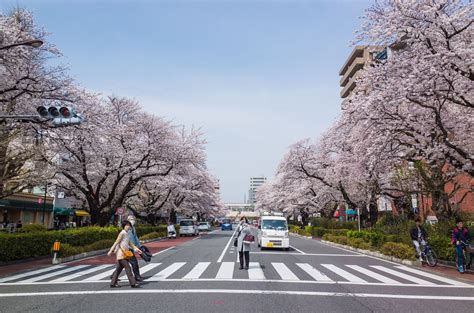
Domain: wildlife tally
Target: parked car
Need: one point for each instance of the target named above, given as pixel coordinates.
(226, 224)
(188, 227)
(204, 226)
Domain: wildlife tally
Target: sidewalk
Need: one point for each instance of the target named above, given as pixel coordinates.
(154, 246)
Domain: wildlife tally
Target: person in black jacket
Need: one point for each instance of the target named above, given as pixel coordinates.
(418, 236)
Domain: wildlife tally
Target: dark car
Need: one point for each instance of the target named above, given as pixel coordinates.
(226, 224)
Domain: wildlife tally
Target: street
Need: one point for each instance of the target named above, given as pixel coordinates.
(202, 275)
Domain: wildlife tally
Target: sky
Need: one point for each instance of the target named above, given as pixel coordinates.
(254, 76)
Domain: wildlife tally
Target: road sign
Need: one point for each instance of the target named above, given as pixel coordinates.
(40, 200)
(120, 211)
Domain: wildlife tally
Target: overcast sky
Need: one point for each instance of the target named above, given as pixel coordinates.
(255, 76)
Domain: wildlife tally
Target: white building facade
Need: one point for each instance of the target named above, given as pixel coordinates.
(255, 183)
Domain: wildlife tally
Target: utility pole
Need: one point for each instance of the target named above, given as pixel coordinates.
(44, 202)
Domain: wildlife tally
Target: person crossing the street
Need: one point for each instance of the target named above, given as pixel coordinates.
(243, 246)
(121, 248)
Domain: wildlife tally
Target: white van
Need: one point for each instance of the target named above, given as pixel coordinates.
(188, 227)
(273, 232)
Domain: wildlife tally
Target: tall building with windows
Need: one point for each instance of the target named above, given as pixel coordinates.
(255, 183)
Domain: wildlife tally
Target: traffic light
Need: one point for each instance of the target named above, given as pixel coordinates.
(59, 115)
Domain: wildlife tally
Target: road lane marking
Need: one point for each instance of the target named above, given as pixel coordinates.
(226, 270)
(311, 271)
(284, 272)
(374, 275)
(311, 254)
(197, 271)
(255, 271)
(47, 269)
(81, 273)
(432, 276)
(226, 247)
(55, 273)
(148, 267)
(402, 275)
(344, 274)
(164, 250)
(237, 291)
(101, 275)
(167, 272)
(298, 250)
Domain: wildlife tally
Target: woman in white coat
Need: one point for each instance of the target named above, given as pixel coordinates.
(243, 247)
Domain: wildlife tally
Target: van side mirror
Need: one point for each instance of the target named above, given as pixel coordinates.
(259, 227)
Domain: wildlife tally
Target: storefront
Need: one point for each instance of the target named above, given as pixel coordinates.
(27, 208)
(69, 217)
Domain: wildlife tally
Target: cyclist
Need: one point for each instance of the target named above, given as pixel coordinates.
(459, 239)
(418, 237)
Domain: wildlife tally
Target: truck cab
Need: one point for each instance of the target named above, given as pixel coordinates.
(273, 232)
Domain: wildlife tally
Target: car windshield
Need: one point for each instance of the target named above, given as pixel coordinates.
(203, 223)
(186, 223)
(274, 224)
(225, 221)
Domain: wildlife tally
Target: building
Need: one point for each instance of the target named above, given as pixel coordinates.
(255, 183)
(29, 207)
(357, 60)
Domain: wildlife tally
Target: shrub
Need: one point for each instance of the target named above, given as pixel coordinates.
(442, 246)
(153, 235)
(68, 250)
(398, 250)
(30, 228)
(359, 243)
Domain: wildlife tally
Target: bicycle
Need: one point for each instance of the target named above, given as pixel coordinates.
(467, 256)
(429, 256)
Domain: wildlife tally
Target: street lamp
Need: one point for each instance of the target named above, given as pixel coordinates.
(35, 43)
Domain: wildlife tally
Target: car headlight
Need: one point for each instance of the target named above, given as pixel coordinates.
(264, 233)
(286, 234)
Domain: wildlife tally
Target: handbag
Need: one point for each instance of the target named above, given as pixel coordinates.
(249, 239)
(127, 254)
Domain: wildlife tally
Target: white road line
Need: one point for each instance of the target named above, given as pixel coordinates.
(167, 272)
(164, 250)
(284, 272)
(237, 291)
(197, 271)
(304, 282)
(226, 271)
(432, 276)
(47, 269)
(317, 275)
(255, 271)
(344, 274)
(402, 275)
(55, 273)
(81, 273)
(374, 275)
(311, 254)
(101, 275)
(298, 250)
(226, 246)
(148, 267)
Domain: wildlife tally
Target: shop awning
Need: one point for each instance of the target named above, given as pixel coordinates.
(63, 211)
(82, 213)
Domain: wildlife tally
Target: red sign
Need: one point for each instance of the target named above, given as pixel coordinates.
(40, 200)
(119, 211)
(336, 214)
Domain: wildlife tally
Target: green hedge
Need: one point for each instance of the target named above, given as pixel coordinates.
(320, 231)
(26, 245)
(398, 250)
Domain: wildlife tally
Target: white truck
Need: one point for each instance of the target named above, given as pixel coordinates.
(273, 232)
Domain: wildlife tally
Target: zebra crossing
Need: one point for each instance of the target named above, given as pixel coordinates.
(391, 275)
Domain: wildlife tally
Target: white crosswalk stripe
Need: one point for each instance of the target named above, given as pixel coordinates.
(284, 271)
(81, 273)
(311, 271)
(319, 273)
(344, 274)
(255, 271)
(15, 277)
(416, 280)
(197, 271)
(167, 272)
(432, 276)
(55, 273)
(374, 275)
(226, 271)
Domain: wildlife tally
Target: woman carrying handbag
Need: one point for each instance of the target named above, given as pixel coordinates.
(244, 238)
(121, 248)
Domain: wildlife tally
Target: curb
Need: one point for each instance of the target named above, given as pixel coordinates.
(375, 254)
(96, 252)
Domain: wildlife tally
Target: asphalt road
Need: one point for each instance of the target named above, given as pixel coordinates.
(202, 275)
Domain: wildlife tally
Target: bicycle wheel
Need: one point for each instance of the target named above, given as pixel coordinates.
(431, 258)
